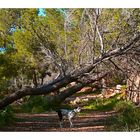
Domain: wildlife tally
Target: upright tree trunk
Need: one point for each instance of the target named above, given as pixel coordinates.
(35, 79)
(133, 88)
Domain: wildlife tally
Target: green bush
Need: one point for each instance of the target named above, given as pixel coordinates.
(36, 104)
(6, 116)
(37, 109)
(123, 106)
(102, 104)
(128, 118)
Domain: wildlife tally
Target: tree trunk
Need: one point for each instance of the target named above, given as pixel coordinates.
(59, 98)
(35, 79)
(46, 89)
(133, 88)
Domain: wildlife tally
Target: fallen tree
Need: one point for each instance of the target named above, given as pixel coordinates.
(70, 91)
(76, 75)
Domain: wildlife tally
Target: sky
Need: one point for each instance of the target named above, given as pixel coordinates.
(2, 49)
(41, 12)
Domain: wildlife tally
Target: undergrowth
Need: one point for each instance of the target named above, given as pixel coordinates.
(6, 116)
(102, 104)
(127, 119)
(35, 104)
(39, 104)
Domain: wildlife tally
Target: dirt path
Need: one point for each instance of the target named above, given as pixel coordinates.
(91, 122)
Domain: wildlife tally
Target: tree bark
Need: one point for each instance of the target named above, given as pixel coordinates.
(133, 88)
(56, 100)
(79, 86)
(46, 89)
(35, 79)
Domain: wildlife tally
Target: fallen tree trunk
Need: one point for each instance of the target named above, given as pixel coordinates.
(55, 85)
(61, 82)
(55, 101)
(67, 93)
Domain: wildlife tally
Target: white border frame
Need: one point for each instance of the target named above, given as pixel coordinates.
(69, 3)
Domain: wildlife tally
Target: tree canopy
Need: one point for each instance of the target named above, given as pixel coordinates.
(80, 45)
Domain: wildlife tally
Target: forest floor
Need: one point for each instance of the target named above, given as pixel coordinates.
(89, 122)
(86, 121)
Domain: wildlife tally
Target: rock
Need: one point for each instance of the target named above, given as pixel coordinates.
(118, 87)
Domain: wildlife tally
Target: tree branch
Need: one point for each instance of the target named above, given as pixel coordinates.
(61, 82)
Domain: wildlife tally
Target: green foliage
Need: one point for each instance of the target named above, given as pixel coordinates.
(128, 118)
(3, 85)
(6, 116)
(36, 104)
(102, 104)
(38, 109)
(123, 106)
(71, 42)
(39, 104)
(123, 87)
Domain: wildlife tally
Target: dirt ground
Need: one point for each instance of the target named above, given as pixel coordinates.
(48, 122)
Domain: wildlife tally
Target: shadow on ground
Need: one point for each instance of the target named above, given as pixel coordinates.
(48, 122)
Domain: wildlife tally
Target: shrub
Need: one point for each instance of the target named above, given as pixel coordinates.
(36, 104)
(100, 104)
(6, 116)
(128, 118)
(37, 109)
(123, 106)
